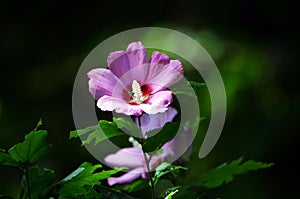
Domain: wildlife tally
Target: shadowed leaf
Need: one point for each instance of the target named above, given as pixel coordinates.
(32, 148)
(156, 141)
(226, 172)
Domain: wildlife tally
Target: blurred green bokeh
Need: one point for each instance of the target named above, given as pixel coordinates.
(254, 45)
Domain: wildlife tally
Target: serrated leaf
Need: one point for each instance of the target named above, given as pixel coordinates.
(226, 172)
(166, 168)
(104, 130)
(155, 142)
(6, 160)
(83, 179)
(40, 182)
(32, 148)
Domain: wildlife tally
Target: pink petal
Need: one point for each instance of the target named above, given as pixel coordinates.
(139, 73)
(161, 76)
(179, 144)
(156, 121)
(159, 58)
(102, 82)
(130, 157)
(158, 102)
(109, 103)
(155, 161)
(120, 62)
(127, 177)
(176, 65)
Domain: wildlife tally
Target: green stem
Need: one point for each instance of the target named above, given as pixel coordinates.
(147, 161)
(26, 174)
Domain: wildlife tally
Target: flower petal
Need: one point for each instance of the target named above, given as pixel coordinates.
(138, 73)
(159, 58)
(102, 82)
(155, 161)
(158, 102)
(130, 157)
(120, 62)
(109, 103)
(156, 121)
(180, 144)
(162, 76)
(127, 177)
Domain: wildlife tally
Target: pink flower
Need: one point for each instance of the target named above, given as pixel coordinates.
(156, 121)
(132, 84)
(133, 157)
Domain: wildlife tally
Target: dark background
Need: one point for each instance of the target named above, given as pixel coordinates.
(254, 44)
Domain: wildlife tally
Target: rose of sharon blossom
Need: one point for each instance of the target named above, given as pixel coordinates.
(133, 157)
(134, 84)
(151, 122)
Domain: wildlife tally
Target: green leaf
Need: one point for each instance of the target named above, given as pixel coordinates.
(6, 160)
(128, 126)
(171, 194)
(195, 122)
(83, 179)
(191, 89)
(40, 182)
(156, 139)
(32, 148)
(80, 132)
(166, 168)
(179, 192)
(226, 172)
(136, 185)
(195, 84)
(104, 130)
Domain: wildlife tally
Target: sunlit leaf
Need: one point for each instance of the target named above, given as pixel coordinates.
(166, 168)
(171, 194)
(32, 148)
(226, 172)
(98, 133)
(83, 179)
(128, 126)
(179, 192)
(80, 132)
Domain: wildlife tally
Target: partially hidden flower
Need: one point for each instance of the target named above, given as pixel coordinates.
(134, 84)
(156, 121)
(133, 157)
